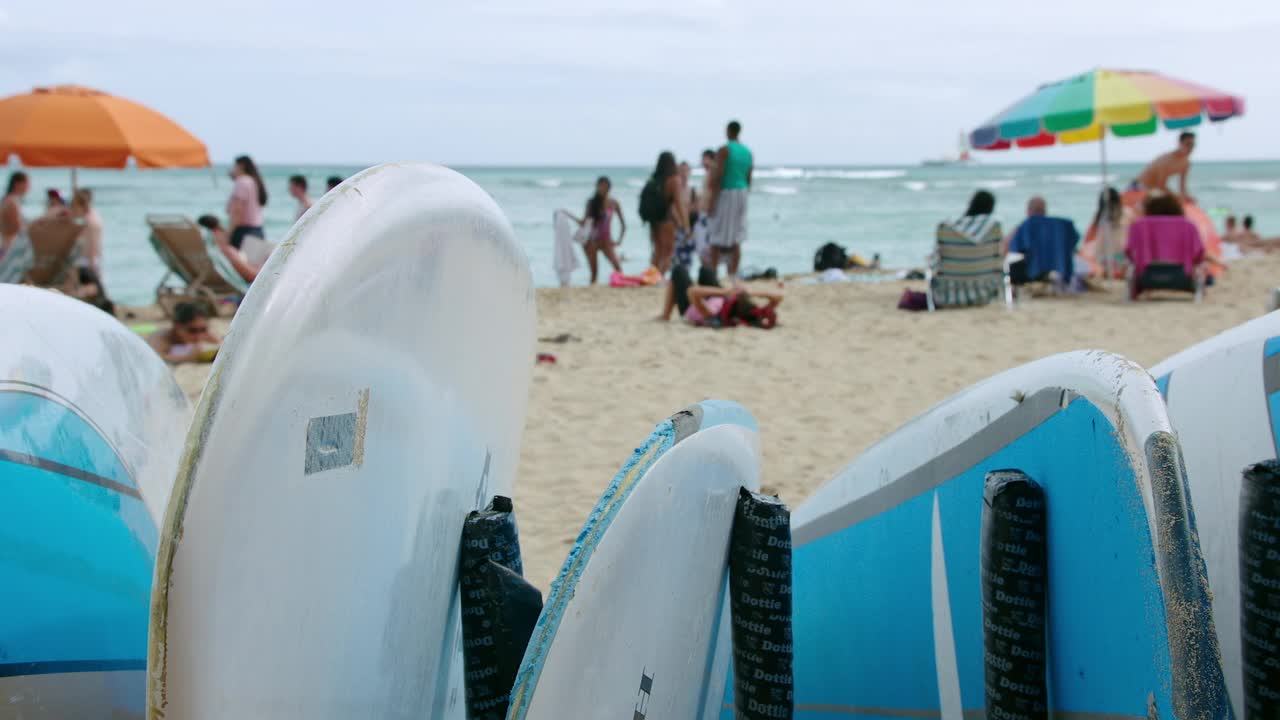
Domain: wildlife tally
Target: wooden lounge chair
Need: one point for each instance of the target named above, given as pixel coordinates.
(967, 273)
(53, 242)
(189, 256)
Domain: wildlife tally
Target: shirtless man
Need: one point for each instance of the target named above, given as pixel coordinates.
(298, 191)
(1156, 175)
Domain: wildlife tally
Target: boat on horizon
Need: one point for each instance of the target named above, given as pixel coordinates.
(962, 156)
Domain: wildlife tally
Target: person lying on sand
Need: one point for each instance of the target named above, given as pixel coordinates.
(712, 306)
(189, 340)
(240, 258)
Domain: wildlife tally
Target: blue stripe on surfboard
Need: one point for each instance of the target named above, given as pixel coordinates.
(1273, 410)
(1271, 386)
(662, 439)
(1162, 384)
(42, 427)
(885, 629)
(71, 666)
(76, 561)
(1271, 347)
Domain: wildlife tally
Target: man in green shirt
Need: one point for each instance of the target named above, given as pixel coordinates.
(728, 202)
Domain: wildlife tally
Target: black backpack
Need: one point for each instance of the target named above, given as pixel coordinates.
(653, 207)
(830, 256)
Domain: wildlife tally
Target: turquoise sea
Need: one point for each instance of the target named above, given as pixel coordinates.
(884, 209)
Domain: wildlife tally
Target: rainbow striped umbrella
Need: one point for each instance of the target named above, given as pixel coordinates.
(1084, 107)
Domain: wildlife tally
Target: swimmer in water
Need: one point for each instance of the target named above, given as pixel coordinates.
(1155, 177)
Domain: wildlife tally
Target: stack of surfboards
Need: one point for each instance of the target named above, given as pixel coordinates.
(1026, 547)
(890, 583)
(91, 425)
(1223, 397)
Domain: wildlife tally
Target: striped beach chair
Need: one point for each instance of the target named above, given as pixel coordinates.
(968, 267)
(193, 259)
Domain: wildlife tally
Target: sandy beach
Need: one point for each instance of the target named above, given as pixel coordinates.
(842, 370)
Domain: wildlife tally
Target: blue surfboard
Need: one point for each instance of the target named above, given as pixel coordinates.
(888, 616)
(77, 542)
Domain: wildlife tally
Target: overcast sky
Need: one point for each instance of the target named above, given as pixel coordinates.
(600, 83)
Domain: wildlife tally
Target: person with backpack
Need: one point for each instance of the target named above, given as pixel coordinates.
(663, 208)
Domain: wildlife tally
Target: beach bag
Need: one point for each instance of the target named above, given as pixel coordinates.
(653, 208)
(830, 256)
(913, 300)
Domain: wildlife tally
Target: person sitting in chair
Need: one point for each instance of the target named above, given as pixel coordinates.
(247, 261)
(1048, 245)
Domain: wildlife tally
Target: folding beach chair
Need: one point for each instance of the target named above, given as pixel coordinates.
(965, 272)
(53, 243)
(188, 255)
(1160, 249)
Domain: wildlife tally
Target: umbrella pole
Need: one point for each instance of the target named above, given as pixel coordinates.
(1104, 229)
(75, 184)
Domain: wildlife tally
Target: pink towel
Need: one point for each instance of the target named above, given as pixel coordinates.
(1169, 239)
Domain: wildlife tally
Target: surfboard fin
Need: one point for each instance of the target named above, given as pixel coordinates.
(499, 608)
(760, 607)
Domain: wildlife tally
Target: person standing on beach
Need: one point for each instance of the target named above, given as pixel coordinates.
(686, 235)
(11, 223)
(601, 210)
(333, 182)
(662, 206)
(298, 191)
(91, 236)
(248, 197)
(1155, 177)
(728, 202)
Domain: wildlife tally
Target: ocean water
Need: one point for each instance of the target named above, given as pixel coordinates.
(793, 210)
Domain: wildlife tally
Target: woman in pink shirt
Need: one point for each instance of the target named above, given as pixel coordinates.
(248, 197)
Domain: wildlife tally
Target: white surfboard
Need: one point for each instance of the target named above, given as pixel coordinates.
(1224, 403)
(91, 425)
(887, 590)
(636, 623)
(370, 393)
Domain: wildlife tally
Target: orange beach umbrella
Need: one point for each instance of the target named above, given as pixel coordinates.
(73, 126)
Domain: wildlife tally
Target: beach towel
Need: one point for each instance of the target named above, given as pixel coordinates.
(968, 269)
(650, 276)
(1209, 237)
(1049, 244)
(564, 258)
(1168, 239)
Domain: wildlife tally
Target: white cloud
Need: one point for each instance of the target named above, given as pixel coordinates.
(566, 81)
